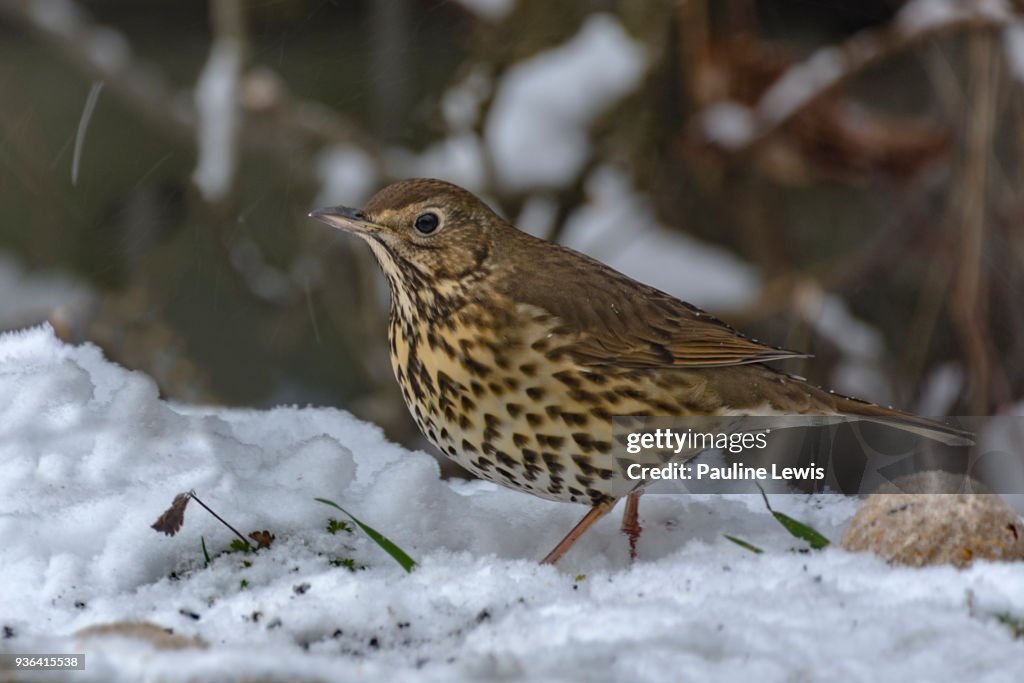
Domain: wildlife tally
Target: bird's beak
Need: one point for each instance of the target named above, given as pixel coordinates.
(345, 218)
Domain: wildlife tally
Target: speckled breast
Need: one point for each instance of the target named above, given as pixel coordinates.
(497, 396)
(495, 389)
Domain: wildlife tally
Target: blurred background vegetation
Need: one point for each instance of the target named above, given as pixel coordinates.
(868, 153)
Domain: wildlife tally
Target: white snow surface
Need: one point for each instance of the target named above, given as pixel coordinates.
(90, 457)
(537, 128)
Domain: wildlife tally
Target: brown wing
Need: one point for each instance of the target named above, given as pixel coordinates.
(623, 322)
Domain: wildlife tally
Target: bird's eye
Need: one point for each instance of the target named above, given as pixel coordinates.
(427, 223)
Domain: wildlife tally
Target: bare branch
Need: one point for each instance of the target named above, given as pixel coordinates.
(274, 122)
(970, 296)
(737, 128)
(105, 55)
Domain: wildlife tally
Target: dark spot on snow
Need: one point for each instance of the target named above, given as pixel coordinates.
(8, 632)
(188, 613)
(482, 616)
(301, 588)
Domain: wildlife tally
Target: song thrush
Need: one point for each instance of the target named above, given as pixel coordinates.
(513, 353)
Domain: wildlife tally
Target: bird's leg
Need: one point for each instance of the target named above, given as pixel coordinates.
(595, 513)
(631, 521)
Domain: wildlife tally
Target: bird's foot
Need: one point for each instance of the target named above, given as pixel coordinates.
(595, 513)
(631, 522)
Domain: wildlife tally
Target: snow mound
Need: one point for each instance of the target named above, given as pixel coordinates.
(537, 129)
(90, 457)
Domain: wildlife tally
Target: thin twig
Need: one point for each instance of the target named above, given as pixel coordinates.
(276, 122)
(969, 303)
(83, 127)
(193, 496)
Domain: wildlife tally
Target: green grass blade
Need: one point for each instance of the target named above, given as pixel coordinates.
(1015, 624)
(743, 544)
(798, 529)
(802, 531)
(380, 539)
(206, 553)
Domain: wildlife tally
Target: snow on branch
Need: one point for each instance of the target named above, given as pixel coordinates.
(265, 117)
(1013, 40)
(830, 67)
(216, 99)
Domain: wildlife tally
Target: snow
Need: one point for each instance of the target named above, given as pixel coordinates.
(109, 50)
(217, 106)
(91, 456)
(801, 83)
(40, 295)
(617, 226)
(859, 373)
(460, 104)
(921, 15)
(345, 173)
(995, 10)
(918, 16)
(729, 124)
(537, 128)
(458, 158)
(941, 389)
(62, 16)
(1013, 41)
(538, 215)
(491, 10)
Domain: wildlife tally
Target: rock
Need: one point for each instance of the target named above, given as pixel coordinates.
(909, 524)
(157, 636)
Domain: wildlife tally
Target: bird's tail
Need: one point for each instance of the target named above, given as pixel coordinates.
(937, 431)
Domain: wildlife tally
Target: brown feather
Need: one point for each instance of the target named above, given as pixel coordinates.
(619, 321)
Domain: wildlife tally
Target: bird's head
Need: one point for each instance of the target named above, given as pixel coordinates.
(424, 233)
